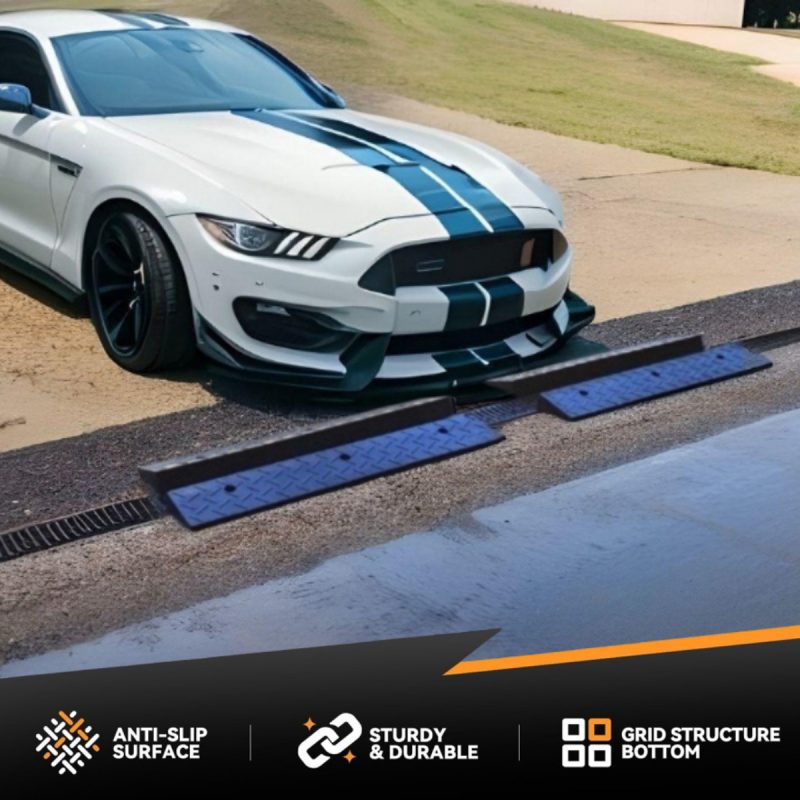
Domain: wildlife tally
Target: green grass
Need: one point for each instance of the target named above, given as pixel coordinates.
(538, 69)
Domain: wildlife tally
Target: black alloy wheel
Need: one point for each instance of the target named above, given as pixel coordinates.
(118, 276)
(137, 295)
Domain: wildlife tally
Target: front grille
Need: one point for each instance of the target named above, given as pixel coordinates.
(457, 260)
(443, 341)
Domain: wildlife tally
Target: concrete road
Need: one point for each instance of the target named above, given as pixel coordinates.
(745, 41)
(700, 539)
(781, 52)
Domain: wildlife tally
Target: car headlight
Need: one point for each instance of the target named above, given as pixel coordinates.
(266, 240)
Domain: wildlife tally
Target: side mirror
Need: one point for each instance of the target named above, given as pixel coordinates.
(15, 98)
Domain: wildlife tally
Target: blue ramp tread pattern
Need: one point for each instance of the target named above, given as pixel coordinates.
(584, 399)
(261, 488)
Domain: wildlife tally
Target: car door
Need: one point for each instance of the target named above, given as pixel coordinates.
(28, 226)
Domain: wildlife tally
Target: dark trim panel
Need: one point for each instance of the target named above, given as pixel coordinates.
(40, 274)
(66, 166)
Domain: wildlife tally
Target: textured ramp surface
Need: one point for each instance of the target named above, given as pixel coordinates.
(282, 482)
(584, 399)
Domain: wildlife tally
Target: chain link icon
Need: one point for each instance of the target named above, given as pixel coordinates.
(330, 740)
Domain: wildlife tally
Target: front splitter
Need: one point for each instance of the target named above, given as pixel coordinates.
(363, 362)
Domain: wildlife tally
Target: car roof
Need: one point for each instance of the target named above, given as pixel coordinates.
(49, 23)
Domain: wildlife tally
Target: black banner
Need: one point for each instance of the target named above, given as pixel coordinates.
(349, 716)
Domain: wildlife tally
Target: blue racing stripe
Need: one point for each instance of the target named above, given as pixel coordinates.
(456, 219)
(358, 152)
(467, 306)
(508, 299)
(490, 207)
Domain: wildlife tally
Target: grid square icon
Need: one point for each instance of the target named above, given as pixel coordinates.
(573, 755)
(585, 742)
(573, 729)
(599, 729)
(599, 755)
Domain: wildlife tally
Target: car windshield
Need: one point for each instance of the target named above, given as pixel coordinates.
(173, 70)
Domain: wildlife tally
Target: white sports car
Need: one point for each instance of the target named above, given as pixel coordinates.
(203, 191)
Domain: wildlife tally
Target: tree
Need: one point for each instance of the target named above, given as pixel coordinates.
(764, 13)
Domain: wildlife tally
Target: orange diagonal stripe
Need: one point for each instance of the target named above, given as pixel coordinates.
(708, 642)
(59, 742)
(76, 725)
(66, 717)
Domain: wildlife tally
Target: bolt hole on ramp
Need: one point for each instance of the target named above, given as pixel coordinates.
(620, 389)
(260, 488)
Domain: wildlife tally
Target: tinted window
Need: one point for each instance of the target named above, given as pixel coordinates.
(21, 62)
(173, 70)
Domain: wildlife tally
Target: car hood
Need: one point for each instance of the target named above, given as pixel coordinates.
(293, 170)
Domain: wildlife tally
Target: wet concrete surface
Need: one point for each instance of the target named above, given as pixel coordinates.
(700, 539)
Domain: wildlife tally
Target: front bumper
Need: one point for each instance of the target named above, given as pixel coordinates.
(420, 334)
(366, 364)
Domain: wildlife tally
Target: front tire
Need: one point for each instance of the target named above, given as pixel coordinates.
(138, 298)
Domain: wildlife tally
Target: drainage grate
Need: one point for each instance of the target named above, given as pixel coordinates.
(44, 535)
(504, 410)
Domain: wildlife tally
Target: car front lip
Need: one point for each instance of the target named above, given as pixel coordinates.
(366, 361)
(218, 276)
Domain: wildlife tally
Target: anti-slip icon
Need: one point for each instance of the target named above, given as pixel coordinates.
(331, 740)
(583, 742)
(67, 742)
